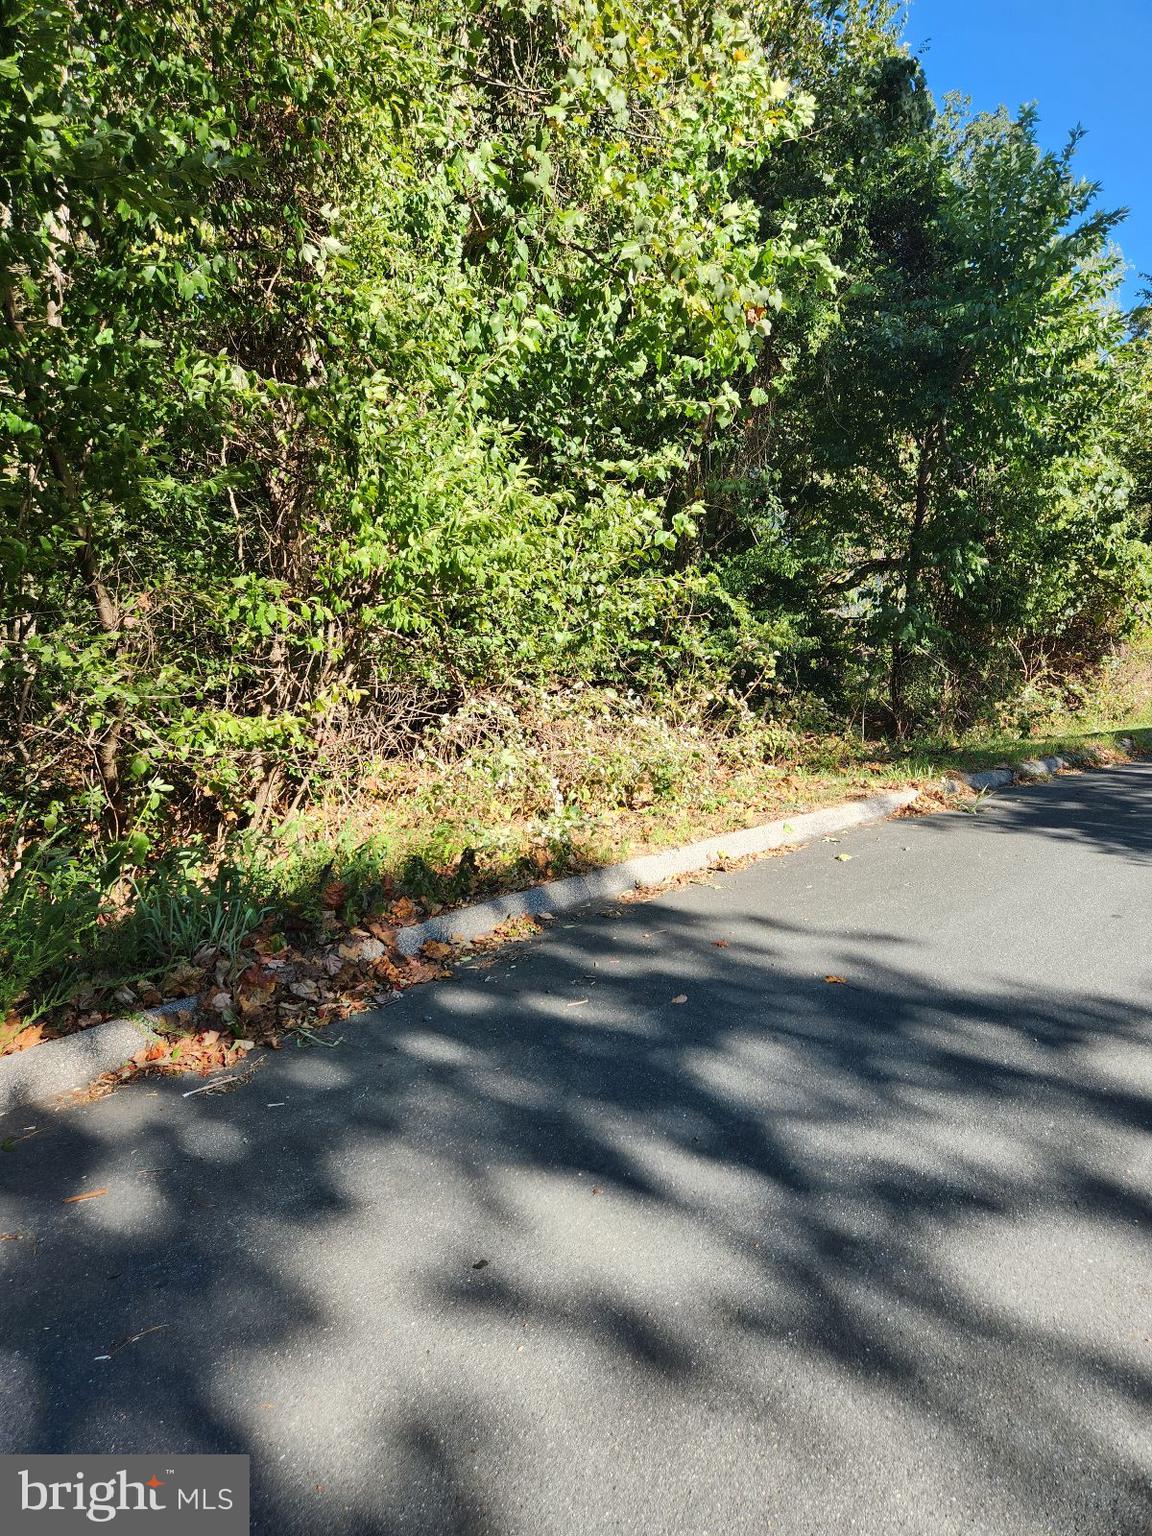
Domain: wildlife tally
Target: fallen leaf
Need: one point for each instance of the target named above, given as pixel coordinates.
(421, 970)
(91, 1194)
(681, 998)
(435, 950)
(387, 970)
(183, 981)
(840, 981)
(843, 858)
(334, 895)
(255, 988)
(30, 1035)
(720, 943)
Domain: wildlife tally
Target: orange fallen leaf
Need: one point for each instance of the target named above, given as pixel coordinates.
(91, 1194)
(21, 1037)
(435, 950)
(720, 943)
(839, 981)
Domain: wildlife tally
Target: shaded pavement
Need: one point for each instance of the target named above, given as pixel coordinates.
(541, 1250)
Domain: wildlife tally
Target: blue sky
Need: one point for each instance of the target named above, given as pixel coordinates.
(1088, 63)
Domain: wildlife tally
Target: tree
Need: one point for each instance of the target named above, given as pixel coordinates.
(950, 493)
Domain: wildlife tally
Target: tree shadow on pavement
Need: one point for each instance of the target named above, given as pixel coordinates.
(1109, 810)
(544, 1249)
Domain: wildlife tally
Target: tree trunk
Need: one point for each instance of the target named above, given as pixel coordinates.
(913, 569)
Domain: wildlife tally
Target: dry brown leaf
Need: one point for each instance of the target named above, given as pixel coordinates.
(681, 997)
(839, 981)
(387, 970)
(421, 970)
(30, 1035)
(183, 980)
(254, 990)
(436, 950)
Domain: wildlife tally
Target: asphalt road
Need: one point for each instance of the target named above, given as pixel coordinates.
(649, 1227)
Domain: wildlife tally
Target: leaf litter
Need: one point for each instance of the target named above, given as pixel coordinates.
(276, 993)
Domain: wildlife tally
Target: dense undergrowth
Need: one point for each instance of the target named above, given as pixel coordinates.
(443, 445)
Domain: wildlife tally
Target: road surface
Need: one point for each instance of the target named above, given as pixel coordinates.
(650, 1228)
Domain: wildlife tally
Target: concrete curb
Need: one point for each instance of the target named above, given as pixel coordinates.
(998, 778)
(40, 1075)
(469, 923)
(1030, 768)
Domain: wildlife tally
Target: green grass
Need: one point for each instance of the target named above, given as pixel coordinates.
(1007, 748)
